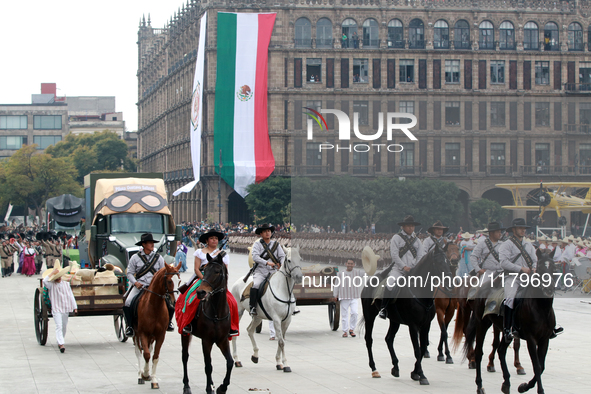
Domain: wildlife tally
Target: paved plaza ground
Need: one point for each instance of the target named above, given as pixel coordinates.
(322, 361)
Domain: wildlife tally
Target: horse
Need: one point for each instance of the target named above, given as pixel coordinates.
(152, 322)
(536, 320)
(276, 304)
(211, 324)
(413, 307)
(445, 305)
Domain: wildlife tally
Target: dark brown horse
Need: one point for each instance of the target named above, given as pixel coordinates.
(211, 323)
(152, 322)
(535, 319)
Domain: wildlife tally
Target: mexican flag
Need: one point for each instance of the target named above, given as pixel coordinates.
(241, 133)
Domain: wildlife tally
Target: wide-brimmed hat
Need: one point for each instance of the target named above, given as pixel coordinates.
(409, 220)
(554, 239)
(493, 226)
(211, 233)
(48, 271)
(518, 222)
(146, 237)
(467, 235)
(369, 260)
(59, 274)
(439, 225)
(265, 226)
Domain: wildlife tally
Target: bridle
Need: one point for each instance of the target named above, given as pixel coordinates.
(287, 275)
(166, 292)
(215, 289)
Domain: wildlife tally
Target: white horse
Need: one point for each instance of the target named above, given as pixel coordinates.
(279, 303)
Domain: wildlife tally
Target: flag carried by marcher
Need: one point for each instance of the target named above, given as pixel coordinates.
(196, 110)
(241, 132)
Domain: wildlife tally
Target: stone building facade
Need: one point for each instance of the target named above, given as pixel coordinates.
(500, 89)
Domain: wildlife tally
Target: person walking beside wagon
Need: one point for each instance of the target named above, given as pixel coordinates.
(62, 303)
(348, 293)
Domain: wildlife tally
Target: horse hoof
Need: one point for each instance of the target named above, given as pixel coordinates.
(146, 378)
(254, 359)
(155, 385)
(287, 369)
(238, 364)
(140, 381)
(480, 391)
(415, 376)
(505, 388)
(424, 382)
(472, 365)
(449, 360)
(427, 354)
(490, 368)
(187, 390)
(279, 367)
(521, 371)
(523, 387)
(395, 372)
(375, 374)
(440, 358)
(221, 390)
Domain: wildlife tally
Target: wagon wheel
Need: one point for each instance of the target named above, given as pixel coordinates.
(119, 323)
(41, 318)
(334, 315)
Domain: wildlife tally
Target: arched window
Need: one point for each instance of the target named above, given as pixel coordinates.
(462, 35)
(349, 36)
(416, 34)
(395, 34)
(487, 36)
(551, 37)
(303, 33)
(370, 33)
(531, 36)
(575, 37)
(324, 33)
(507, 36)
(441, 35)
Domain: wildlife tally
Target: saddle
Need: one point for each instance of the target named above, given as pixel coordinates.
(495, 300)
(262, 289)
(381, 290)
(134, 303)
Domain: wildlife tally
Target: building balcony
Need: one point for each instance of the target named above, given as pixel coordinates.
(498, 170)
(453, 170)
(578, 128)
(578, 88)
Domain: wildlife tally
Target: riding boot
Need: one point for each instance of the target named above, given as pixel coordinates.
(128, 321)
(170, 316)
(254, 295)
(508, 324)
(3, 270)
(384, 307)
(556, 331)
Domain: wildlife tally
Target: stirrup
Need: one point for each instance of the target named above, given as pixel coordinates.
(233, 333)
(383, 313)
(187, 329)
(508, 335)
(170, 327)
(253, 311)
(129, 332)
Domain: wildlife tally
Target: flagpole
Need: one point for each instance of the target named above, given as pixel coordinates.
(220, 191)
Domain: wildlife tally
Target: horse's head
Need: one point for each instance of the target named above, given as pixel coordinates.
(545, 272)
(434, 263)
(452, 253)
(215, 276)
(292, 264)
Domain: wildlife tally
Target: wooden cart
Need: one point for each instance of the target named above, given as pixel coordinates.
(88, 305)
(321, 295)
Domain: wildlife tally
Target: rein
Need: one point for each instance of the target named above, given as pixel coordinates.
(167, 292)
(287, 275)
(215, 290)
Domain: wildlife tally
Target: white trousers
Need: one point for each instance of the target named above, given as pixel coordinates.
(271, 329)
(61, 323)
(346, 322)
(512, 285)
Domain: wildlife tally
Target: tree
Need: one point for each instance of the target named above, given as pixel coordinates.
(29, 177)
(100, 151)
(270, 199)
(485, 211)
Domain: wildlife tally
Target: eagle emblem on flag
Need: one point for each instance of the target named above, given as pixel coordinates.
(244, 93)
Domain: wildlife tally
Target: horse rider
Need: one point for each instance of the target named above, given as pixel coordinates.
(140, 272)
(436, 232)
(517, 256)
(485, 259)
(268, 256)
(406, 250)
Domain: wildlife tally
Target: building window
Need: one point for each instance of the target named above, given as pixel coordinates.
(360, 71)
(313, 158)
(416, 34)
(585, 117)
(497, 113)
(507, 36)
(47, 122)
(324, 33)
(313, 70)
(14, 122)
(497, 71)
(395, 34)
(542, 158)
(303, 33)
(360, 159)
(43, 141)
(585, 75)
(316, 105)
(370, 33)
(497, 158)
(462, 35)
(452, 158)
(487, 36)
(452, 113)
(362, 108)
(407, 158)
(407, 70)
(12, 142)
(585, 158)
(452, 71)
(575, 37)
(543, 114)
(349, 34)
(441, 35)
(531, 36)
(407, 107)
(542, 73)
(551, 37)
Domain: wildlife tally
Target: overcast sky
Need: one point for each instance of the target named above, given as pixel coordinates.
(87, 47)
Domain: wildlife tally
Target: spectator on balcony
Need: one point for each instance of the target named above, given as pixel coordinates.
(312, 78)
(355, 40)
(317, 78)
(356, 78)
(344, 41)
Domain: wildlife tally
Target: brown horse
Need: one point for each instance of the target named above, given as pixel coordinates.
(211, 323)
(152, 321)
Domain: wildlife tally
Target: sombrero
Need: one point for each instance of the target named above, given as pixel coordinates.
(211, 233)
(467, 235)
(59, 274)
(439, 225)
(369, 260)
(56, 264)
(409, 220)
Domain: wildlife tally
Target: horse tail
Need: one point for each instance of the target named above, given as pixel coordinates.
(461, 321)
(361, 326)
(470, 336)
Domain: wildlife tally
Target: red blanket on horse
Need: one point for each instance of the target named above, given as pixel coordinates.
(183, 318)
